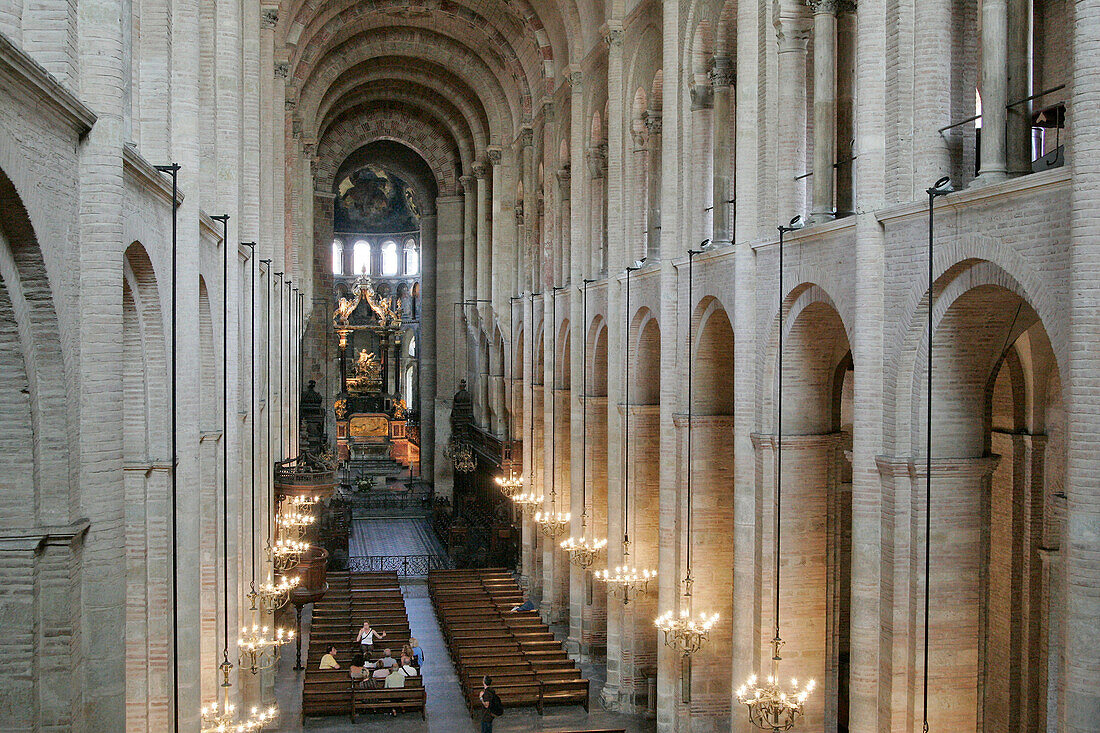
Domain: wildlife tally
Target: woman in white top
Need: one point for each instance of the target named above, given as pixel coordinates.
(366, 638)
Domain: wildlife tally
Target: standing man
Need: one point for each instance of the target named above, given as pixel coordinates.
(491, 706)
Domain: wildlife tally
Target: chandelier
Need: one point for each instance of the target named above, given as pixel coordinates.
(552, 524)
(583, 552)
(302, 504)
(627, 580)
(272, 596)
(685, 633)
(770, 706)
(221, 718)
(259, 649)
(299, 522)
(528, 502)
(510, 485)
(286, 554)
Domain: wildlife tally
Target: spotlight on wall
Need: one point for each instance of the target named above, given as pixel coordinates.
(639, 264)
(796, 223)
(942, 187)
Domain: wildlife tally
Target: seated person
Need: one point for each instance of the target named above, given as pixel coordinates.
(527, 605)
(328, 660)
(396, 677)
(406, 650)
(387, 660)
(357, 670)
(380, 673)
(417, 652)
(406, 666)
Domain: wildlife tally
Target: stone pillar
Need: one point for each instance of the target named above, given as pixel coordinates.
(100, 672)
(1081, 552)
(653, 154)
(793, 33)
(428, 346)
(483, 281)
(825, 42)
(637, 243)
(469, 237)
(596, 157)
(845, 107)
(932, 87)
(701, 191)
(561, 267)
(993, 166)
(960, 518)
(1018, 123)
(722, 79)
(810, 478)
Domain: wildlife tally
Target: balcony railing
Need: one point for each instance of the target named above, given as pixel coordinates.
(406, 566)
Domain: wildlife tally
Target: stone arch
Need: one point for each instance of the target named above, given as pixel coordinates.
(598, 357)
(563, 347)
(714, 388)
(996, 389)
(209, 472)
(645, 347)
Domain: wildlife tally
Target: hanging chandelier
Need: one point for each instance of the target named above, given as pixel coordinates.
(553, 524)
(303, 504)
(510, 485)
(221, 718)
(259, 649)
(295, 522)
(286, 554)
(584, 551)
(528, 502)
(685, 632)
(770, 706)
(626, 580)
(272, 596)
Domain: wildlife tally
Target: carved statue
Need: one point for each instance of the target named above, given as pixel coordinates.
(387, 316)
(344, 309)
(367, 366)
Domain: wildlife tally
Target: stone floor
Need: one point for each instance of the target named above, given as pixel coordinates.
(446, 712)
(393, 537)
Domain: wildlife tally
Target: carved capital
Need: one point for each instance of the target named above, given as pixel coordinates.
(494, 154)
(269, 17)
(722, 74)
(282, 68)
(833, 7)
(467, 183)
(547, 109)
(638, 137)
(526, 137)
(613, 37)
(653, 121)
(479, 168)
(517, 210)
(702, 96)
(596, 157)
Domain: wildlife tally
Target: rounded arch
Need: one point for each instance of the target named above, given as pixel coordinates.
(597, 357)
(713, 392)
(145, 372)
(564, 350)
(645, 355)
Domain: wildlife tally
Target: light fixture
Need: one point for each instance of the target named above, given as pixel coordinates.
(583, 550)
(294, 522)
(942, 187)
(219, 717)
(528, 502)
(303, 504)
(259, 647)
(684, 632)
(286, 554)
(272, 596)
(627, 580)
(553, 523)
(770, 705)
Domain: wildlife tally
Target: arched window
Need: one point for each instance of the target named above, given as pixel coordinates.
(412, 347)
(412, 258)
(389, 257)
(337, 257)
(410, 385)
(361, 257)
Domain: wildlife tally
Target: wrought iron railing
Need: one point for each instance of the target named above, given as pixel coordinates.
(376, 501)
(409, 566)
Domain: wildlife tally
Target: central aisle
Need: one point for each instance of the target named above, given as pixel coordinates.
(446, 711)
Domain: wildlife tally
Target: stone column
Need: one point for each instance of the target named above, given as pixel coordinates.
(824, 107)
(701, 191)
(1018, 123)
(793, 31)
(653, 154)
(526, 242)
(722, 79)
(637, 243)
(993, 166)
(1081, 551)
(469, 237)
(100, 672)
(596, 158)
(845, 107)
(428, 346)
(561, 267)
(960, 517)
(483, 281)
